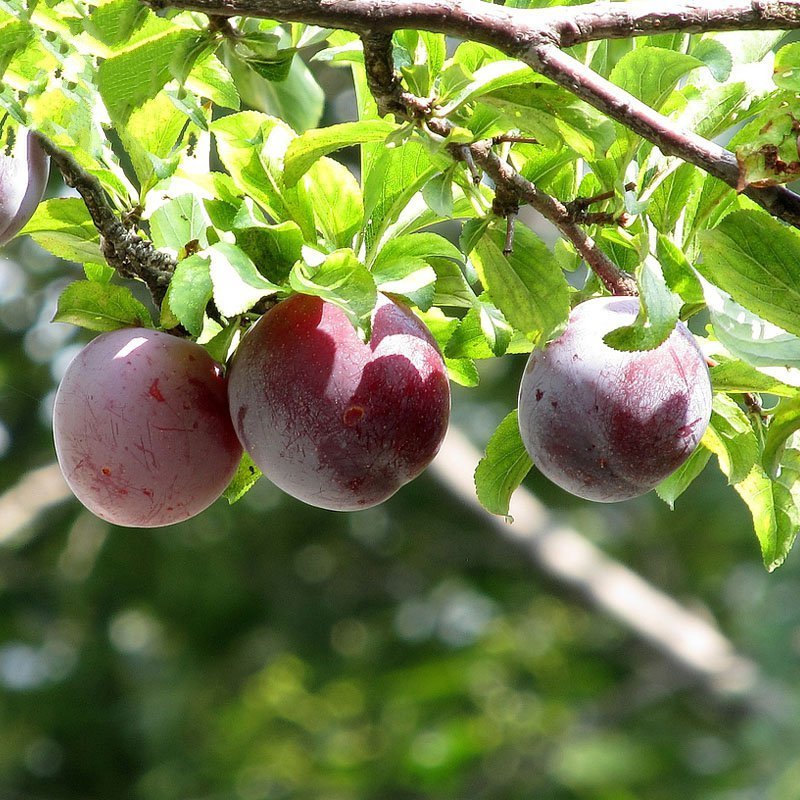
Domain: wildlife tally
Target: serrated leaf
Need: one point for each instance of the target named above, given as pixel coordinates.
(63, 227)
(658, 312)
(100, 273)
(247, 475)
(784, 422)
(678, 272)
(503, 467)
(731, 438)
(715, 56)
(335, 198)
(482, 333)
(489, 78)
(775, 512)
(527, 286)
(190, 291)
(178, 222)
(101, 307)
(787, 67)
(756, 260)
(340, 279)
(737, 377)
(318, 142)
(126, 80)
(671, 488)
(238, 285)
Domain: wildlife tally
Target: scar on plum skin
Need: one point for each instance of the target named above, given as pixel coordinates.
(352, 415)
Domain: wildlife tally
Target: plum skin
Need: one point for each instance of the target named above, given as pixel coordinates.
(23, 179)
(142, 430)
(333, 421)
(608, 425)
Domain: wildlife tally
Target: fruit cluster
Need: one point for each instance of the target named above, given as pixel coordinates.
(149, 430)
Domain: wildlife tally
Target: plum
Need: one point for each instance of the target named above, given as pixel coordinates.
(333, 421)
(142, 429)
(23, 178)
(608, 425)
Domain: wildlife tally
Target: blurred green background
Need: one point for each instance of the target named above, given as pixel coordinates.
(272, 651)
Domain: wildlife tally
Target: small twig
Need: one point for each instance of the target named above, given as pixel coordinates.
(125, 250)
(466, 155)
(510, 138)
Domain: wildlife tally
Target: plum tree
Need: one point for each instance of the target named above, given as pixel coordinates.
(142, 430)
(333, 421)
(23, 178)
(609, 425)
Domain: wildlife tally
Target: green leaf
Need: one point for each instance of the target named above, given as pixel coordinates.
(671, 488)
(313, 144)
(63, 227)
(503, 467)
(190, 291)
(394, 177)
(749, 337)
(178, 222)
(274, 249)
(715, 56)
(678, 272)
(527, 286)
(787, 67)
(438, 193)
(774, 508)
(669, 199)
(100, 273)
(126, 80)
(731, 438)
(243, 481)
(335, 198)
(483, 332)
(493, 76)
(756, 259)
(784, 421)
(238, 285)
(412, 278)
(340, 279)
(298, 98)
(554, 116)
(737, 377)
(658, 312)
(252, 148)
(101, 307)
(460, 370)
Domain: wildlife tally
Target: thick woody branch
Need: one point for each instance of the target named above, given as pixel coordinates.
(128, 253)
(661, 131)
(514, 28)
(535, 36)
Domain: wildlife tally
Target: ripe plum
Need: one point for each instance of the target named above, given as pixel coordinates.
(333, 421)
(23, 178)
(608, 425)
(142, 429)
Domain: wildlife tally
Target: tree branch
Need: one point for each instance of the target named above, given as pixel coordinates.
(510, 186)
(535, 36)
(128, 253)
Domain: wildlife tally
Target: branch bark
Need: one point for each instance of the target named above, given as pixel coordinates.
(128, 253)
